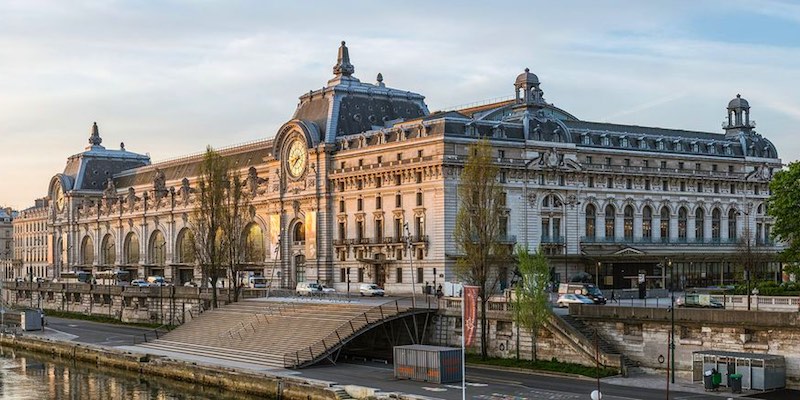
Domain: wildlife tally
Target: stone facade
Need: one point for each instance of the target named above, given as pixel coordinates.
(360, 186)
(32, 242)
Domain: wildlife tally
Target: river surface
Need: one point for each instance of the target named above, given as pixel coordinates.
(25, 375)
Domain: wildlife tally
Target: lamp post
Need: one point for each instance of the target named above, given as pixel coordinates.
(574, 203)
(411, 266)
(668, 263)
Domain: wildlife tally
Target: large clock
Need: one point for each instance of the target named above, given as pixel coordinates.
(59, 198)
(297, 158)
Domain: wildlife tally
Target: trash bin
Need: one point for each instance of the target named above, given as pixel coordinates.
(707, 380)
(716, 379)
(736, 383)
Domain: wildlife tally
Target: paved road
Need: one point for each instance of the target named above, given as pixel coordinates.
(490, 384)
(92, 332)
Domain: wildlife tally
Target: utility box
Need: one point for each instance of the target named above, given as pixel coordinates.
(31, 320)
(423, 363)
(752, 370)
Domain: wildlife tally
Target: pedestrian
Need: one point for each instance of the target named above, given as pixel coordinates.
(614, 296)
(439, 292)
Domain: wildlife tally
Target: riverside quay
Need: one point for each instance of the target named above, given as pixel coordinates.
(360, 186)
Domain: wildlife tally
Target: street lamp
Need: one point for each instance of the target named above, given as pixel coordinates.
(574, 203)
(411, 265)
(668, 263)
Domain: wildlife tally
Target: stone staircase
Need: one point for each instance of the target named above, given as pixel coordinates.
(629, 367)
(264, 333)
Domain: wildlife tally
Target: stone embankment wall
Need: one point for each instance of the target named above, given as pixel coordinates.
(258, 384)
(159, 304)
(555, 340)
(643, 334)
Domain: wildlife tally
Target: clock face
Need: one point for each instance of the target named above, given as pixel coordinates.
(297, 158)
(59, 198)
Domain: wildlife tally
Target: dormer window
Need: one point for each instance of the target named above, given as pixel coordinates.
(642, 143)
(660, 144)
(695, 147)
(712, 149)
(605, 140)
(586, 139)
(728, 150)
(623, 141)
(677, 145)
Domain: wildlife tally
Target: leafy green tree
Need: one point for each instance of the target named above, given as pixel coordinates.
(478, 234)
(784, 206)
(531, 306)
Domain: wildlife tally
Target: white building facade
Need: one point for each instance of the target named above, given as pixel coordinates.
(362, 170)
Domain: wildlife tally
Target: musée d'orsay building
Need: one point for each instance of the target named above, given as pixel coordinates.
(334, 188)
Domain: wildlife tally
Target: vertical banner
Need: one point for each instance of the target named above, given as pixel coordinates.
(311, 235)
(274, 232)
(469, 305)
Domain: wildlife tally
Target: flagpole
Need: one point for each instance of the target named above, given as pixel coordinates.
(463, 345)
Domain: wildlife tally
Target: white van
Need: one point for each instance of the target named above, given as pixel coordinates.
(156, 281)
(370, 289)
(308, 288)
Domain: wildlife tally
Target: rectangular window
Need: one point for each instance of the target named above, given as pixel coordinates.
(730, 168)
(398, 254)
(683, 186)
(380, 159)
(342, 274)
(756, 190)
(646, 163)
(663, 164)
(629, 183)
(361, 275)
(342, 231)
(379, 230)
(501, 153)
(418, 227)
(647, 184)
(608, 160)
(716, 188)
(545, 229)
(399, 275)
(397, 180)
(398, 200)
(556, 228)
(342, 165)
(680, 164)
(419, 177)
(699, 187)
(341, 186)
(419, 199)
(341, 206)
(610, 183)
(561, 180)
(399, 156)
(419, 153)
(665, 185)
(591, 181)
(378, 203)
(359, 230)
(359, 184)
(627, 162)
(398, 229)
(714, 167)
(420, 272)
(733, 188)
(502, 177)
(378, 182)
(360, 204)
(588, 159)
(360, 162)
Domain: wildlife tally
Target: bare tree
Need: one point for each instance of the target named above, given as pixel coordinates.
(236, 216)
(478, 231)
(749, 255)
(208, 220)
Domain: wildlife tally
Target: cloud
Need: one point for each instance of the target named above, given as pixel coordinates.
(169, 77)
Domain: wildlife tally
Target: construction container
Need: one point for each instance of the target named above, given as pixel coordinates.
(427, 363)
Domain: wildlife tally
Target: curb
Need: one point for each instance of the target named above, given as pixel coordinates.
(530, 371)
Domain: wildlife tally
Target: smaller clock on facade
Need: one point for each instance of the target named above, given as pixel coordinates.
(59, 198)
(297, 158)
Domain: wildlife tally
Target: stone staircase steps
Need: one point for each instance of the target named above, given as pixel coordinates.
(630, 367)
(264, 360)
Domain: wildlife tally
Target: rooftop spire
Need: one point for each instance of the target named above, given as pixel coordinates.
(94, 138)
(343, 66)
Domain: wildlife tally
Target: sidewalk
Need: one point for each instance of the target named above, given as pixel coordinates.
(650, 381)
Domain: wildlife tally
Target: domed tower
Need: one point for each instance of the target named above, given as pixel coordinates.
(527, 89)
(738, 117)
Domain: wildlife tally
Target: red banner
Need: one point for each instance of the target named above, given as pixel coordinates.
(470, 313)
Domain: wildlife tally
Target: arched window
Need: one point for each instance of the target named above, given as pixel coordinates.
(732, 215)
(109, 250)
(132, 249)
(716, 216)
(610, 221)
(185, 247)
(699, 224)
(591, 218)
(87, 251)
(665, 224)
(647, 222)
(157, 250)
(683, 217)
(299, 234)
(253, 244)
(628, 222)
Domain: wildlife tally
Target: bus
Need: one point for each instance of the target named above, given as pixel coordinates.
(75, 277)
(114, 278)
(257, 282)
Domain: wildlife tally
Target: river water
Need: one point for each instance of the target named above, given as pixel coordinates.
(25, 376)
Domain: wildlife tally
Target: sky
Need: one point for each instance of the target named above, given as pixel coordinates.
(169, 77)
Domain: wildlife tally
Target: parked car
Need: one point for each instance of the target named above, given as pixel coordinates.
(370, 289)
(156, 281)
(190, 284)
(569, 298)
(139, 282)
(327, 289)
(586, 289)
(698, 300)
(308, 288)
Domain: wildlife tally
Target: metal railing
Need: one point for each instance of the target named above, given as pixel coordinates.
(349, 329)
(656, 241)
(154, 333)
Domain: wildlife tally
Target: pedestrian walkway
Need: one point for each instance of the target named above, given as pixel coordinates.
(651, 381)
